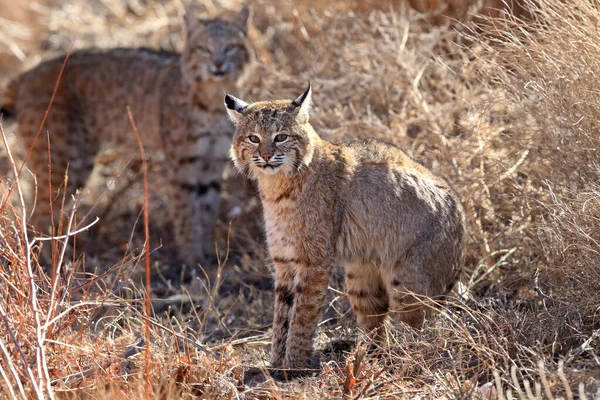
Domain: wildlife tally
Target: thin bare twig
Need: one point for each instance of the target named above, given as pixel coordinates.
(69, 234)
(147, 375)
(180, 336)
(41, 366)
(9, 362)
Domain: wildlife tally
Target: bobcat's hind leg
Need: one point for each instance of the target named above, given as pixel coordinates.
(368, 297)
(404, 280)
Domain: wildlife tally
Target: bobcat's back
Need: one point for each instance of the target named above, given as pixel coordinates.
(98, 85)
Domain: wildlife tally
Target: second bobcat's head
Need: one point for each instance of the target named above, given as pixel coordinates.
(271, 137)
(217, 50)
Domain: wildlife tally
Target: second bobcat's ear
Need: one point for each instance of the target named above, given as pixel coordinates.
(302, 104)
(190, 22)
(235, 108)
(244, 17)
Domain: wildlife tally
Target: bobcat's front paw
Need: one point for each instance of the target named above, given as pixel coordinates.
(287, 367)
(284, 375)
(297, 359)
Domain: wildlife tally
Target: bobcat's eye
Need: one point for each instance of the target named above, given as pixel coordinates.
(205, 51)
(254, 139)
(282, 137)
(231, 49)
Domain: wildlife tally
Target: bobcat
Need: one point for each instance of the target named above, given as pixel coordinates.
(175, 100)
(395, 226)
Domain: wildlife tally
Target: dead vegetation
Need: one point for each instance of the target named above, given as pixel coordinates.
(508, 112)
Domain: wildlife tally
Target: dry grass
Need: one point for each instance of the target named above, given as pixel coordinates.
(549, 66)
(508, 112)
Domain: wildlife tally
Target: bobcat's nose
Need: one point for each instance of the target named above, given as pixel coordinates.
(266, 156)
(217, 68)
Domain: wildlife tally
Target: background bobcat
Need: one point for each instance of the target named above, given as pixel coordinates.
(175, 100)
(395, 226)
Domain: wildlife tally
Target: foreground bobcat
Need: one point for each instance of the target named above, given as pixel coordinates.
(175, 100)
(395, 226)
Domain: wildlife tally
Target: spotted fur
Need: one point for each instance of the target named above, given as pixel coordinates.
(175, 100)
(395, 226)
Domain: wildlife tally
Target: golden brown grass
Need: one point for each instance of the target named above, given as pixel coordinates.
(507, 111)
(549, 67)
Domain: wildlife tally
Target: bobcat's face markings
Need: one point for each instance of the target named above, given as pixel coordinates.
(271, 153)
(216, 51)
(271, 137)
(225, 60)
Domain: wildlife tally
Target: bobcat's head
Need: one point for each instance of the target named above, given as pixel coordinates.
(271, 137)
(217, 50)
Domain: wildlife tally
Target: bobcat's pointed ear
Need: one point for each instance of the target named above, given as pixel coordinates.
(244, 17)
(190, 21)
(235, 108)
(302, 105)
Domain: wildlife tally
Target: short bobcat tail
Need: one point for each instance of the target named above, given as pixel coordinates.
(8, 98)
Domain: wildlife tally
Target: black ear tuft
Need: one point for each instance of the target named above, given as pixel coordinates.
(301, 106)
(190, 21)
(229, 102)
(244, 17)
(306, 95)
(234, 103)
(235, 108)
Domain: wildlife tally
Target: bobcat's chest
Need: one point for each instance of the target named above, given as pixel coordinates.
(203, 135)
(281, 226)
